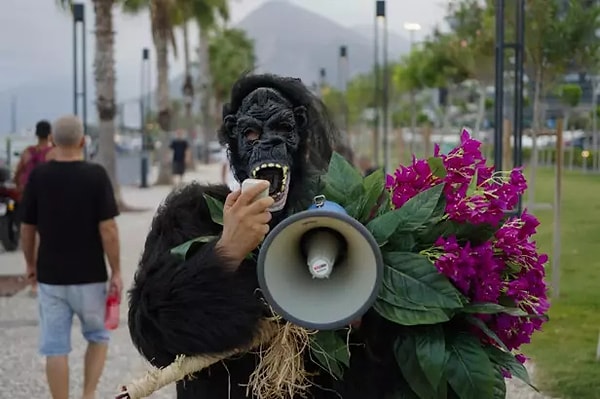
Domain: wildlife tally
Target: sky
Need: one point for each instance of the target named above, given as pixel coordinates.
(36, 38)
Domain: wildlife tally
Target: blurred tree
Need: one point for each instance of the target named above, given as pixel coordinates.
(105, 76)
(557, 39)
(473, 27)
(163, 16)
(231, 54)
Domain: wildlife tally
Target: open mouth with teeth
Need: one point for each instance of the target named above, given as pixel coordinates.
(279, 177)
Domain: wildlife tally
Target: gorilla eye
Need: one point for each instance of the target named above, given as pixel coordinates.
(285, 127)
(251, 134)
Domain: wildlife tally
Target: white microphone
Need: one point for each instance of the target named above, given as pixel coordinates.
(249, 183)
(322, 248)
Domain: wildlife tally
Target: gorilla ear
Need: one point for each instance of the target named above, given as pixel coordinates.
(226, 110)
(229, 123)
(301, 117)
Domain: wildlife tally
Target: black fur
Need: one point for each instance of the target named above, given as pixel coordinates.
(197, 307)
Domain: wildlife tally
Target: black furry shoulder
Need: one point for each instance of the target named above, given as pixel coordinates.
(194, 306)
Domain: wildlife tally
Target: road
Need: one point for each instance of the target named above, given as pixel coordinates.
(22, 369)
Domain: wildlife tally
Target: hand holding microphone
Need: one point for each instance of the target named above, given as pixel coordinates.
(246, 219)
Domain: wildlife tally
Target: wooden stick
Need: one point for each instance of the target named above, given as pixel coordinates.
(557, 205)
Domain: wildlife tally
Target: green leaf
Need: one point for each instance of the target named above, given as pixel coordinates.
(486, 330)
(215, 207)
(470, 372)
(406, 358)
(330, 352)
(414, 278)
(431, 353)
(436, 165)
(374, 187)
(492, 308)
(472, 185)
(499, 384)
(343, 183)
(416, 212)
(507, 361)
(475, 234)
(401, 242)
(185, 250)
(410, 317)
(385, 203)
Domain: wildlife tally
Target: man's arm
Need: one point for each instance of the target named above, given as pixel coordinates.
(109, 232)
(29, 225)
(28, 232)
(22, 161)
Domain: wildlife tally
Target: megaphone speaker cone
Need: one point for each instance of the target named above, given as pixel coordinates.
(320, 269)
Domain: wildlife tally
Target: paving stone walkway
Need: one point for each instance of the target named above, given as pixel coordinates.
(22, 369)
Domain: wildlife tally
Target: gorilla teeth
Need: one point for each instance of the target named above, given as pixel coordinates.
(269, 165)
(284, 170)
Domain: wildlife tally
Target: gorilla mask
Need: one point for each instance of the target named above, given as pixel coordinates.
(265, 136)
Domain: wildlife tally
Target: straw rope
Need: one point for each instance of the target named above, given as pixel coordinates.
(279, 374)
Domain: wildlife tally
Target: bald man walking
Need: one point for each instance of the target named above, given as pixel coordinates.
(71, 204)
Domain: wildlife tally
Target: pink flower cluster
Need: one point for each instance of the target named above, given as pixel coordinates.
(474, 192)
(506, 269)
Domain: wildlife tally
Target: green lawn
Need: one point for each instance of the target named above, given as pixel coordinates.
(564, 353)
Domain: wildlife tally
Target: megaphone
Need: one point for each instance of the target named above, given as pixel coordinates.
(320, 268)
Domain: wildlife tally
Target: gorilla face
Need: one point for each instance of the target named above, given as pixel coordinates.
(265, 136)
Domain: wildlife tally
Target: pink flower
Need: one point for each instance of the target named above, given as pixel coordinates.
(507, 268)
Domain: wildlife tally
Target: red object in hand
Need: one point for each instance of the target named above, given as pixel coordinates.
(111, 318)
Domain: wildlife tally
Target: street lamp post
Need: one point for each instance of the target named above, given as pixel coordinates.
(78, 11)
(412, 27)
(188, 99)
(518, 46)
(145, 81)
(343, 77)
(322, 81)
(380, 13)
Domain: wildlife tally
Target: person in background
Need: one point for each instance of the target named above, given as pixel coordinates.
(71, 204)
(366, 165)
(346, 151)
(181, 155)
(227, 176)
(34, 154)
(31, 157)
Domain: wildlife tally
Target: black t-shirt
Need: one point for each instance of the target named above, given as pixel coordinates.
(67, 201)
(179, 146)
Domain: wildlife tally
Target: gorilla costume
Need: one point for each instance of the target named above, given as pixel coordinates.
(277, 130)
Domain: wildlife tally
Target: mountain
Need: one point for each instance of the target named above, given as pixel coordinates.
(294, 41)
(289, 40)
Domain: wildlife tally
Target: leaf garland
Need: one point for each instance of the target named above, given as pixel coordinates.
(330, 351)
(437, 359)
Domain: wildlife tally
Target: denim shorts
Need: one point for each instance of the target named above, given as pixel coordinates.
(58, 303)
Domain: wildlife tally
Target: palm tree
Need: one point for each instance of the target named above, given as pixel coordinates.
(206, 13)
(162, 18)
(104, 74)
